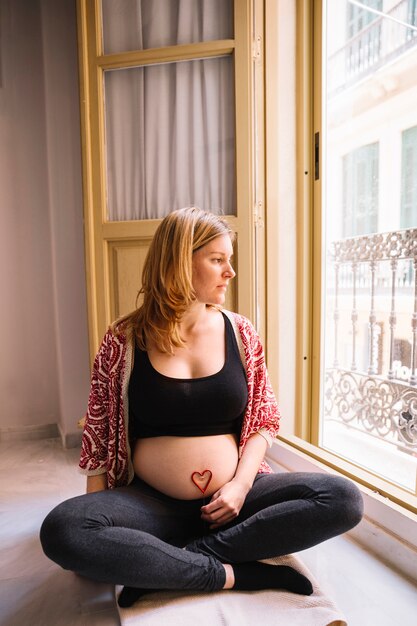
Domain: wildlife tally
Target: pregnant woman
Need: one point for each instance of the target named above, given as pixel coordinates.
(180, 415)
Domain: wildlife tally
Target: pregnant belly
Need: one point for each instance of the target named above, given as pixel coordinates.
(186, 467)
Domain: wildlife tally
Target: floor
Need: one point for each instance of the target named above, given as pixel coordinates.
(36, 475)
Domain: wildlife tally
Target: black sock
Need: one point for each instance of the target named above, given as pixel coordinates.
(255, 576)
(129, 595)
(248, 577)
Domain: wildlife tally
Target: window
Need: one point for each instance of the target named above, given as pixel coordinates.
(409, 178)
(365, 241)
(358, 18)
(363, 35)
(412, 15)
(360, 191)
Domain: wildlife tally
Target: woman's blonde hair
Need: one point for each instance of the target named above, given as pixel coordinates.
(167, 288)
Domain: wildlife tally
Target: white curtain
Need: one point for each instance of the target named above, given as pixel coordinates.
(170, 138)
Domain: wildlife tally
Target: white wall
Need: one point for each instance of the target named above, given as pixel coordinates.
(44, 350)
(63, 135)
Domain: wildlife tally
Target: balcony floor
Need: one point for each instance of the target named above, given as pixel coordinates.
(36, 475)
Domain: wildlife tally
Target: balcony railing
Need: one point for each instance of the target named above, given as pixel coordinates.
(373, 396)
(376, 45)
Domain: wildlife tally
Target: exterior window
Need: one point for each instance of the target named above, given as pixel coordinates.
(360, 191)
(409, 178)
(359, 18)
(363, 36)
(412, 13)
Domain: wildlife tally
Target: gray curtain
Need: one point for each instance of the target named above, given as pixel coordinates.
(170, 128)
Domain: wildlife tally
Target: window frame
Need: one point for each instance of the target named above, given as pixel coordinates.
(305, 438)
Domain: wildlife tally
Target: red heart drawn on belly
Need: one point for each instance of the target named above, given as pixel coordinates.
(202, 480)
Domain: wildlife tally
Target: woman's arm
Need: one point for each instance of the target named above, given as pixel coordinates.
(226, 503)
(97, 483)
(252, 456)
(94, 446)
(262, 413)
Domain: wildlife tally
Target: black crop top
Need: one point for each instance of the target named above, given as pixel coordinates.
(188, 407)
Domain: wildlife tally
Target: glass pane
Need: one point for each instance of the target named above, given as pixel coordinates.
(170, 138)
(141, 24)
(369, 183)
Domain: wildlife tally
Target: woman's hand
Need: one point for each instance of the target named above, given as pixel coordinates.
(225, 504)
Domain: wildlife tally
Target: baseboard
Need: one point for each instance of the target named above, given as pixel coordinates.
(27, 433)
(70, 440)
(41, 431)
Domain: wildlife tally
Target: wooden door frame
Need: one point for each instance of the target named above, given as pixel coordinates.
(248, 223)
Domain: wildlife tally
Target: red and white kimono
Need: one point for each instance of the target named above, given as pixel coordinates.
(105, 444)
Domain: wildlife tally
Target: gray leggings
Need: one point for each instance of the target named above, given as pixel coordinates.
(138, 537)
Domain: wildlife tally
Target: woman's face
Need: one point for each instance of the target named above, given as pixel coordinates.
(212, 270)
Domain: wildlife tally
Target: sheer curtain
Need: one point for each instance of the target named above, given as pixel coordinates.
(170, 128)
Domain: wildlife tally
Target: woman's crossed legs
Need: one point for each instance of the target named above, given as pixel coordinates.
(135, 536)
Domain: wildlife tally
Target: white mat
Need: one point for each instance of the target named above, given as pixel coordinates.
(232, 608)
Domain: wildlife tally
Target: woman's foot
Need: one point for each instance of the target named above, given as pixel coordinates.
(129, 595)
(256, 576)
(253, 576)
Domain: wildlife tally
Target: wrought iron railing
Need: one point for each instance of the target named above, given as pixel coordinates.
(376, 45)
(377, 402)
